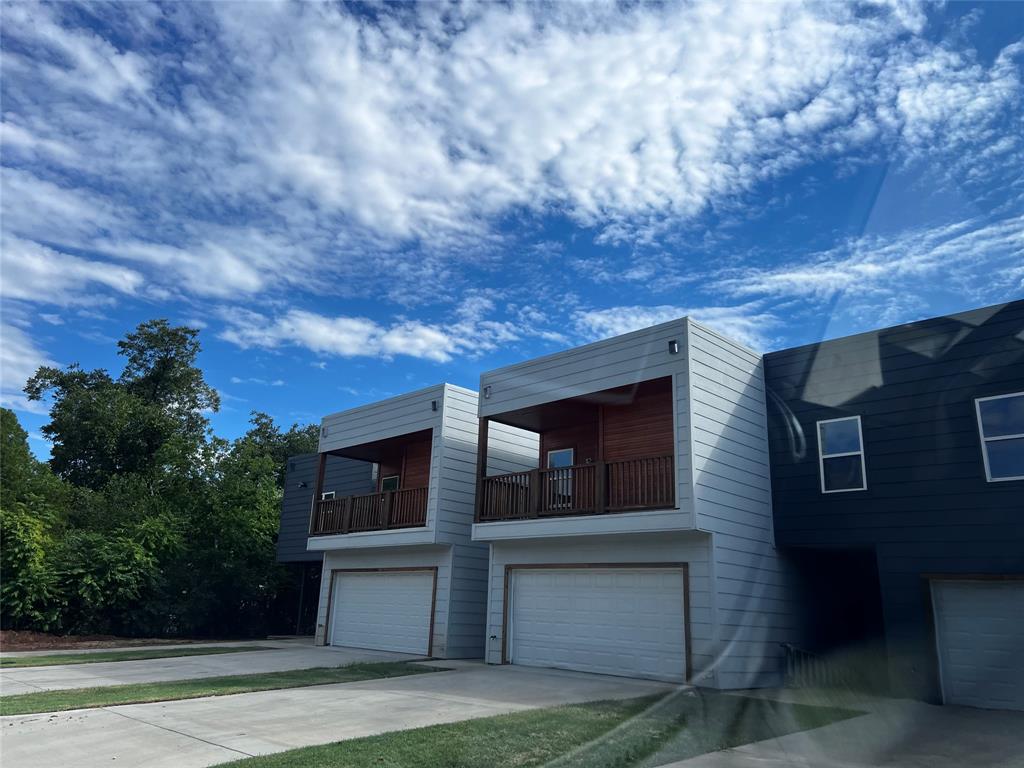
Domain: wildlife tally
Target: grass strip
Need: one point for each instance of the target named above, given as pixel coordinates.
(140, 693)
(633, 733)
(52, 660)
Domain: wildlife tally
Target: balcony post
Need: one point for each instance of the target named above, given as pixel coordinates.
(601, 487)
(346, 514)
(318, 489)
(534, 510)
(385, 508)
(481, 466)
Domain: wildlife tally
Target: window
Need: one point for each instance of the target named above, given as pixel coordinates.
(326, 495)
(389, 483)
(563, 457)
(841, 455)
(1001, 424)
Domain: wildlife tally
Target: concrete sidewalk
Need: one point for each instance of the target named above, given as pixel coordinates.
(284, 656)
(201, 732)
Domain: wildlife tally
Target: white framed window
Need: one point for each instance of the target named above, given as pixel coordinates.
(841, 455)
(326, 495)
(389, 483)
(1001, 427)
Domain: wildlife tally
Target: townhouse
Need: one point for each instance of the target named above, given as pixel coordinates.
(400, 571)
(670, 504)
(898, 485)
(639, 543)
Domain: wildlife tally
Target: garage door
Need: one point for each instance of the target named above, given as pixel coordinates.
(980, 634)
(613, 621)
(388, 611)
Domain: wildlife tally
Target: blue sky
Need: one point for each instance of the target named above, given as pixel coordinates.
(355, 201)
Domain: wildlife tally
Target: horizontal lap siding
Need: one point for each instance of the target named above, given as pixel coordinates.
(346, 477)
(510, 449)
(394, 557)
(416, 472)
(641, 428)
(456, 486)
(753, 589)
(927, 507)
(400, 415)
(691, 548)
(624, 360)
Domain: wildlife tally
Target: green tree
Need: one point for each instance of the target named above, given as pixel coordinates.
(143, 522)
(152, 416)
(265, 436)
(231, 567)
(29, 592)
(32, 510)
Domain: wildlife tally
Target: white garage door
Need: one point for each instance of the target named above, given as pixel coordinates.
(612, 621)
(387, 611)
(980, 633)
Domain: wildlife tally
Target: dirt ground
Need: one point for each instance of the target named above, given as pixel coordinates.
(11, 640)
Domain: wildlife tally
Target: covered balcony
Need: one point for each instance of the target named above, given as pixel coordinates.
(400, 498)
(607, 452)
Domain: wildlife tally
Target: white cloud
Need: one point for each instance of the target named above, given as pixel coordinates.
(20, 357)
(33, 272)
(323, 143)
(468, 333)
(339, 336)
(966, 255)
(746, 323)
(261, 382)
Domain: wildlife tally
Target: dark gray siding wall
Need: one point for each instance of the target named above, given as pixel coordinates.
(346, 477)
(928, 508)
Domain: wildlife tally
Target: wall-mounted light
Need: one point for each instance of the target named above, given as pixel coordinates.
(323, 431)
(673, 347)
(433, 405)
(303, 484)
(487, 391)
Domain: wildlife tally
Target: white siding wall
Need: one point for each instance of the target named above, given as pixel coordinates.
(457, 494)
(396, 557)
(688, 547)
(510, 449)
(626, 359)
(753, 608)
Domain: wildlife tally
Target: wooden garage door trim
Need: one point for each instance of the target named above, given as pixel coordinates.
(684, 567)
(928, 581)
(431, 569)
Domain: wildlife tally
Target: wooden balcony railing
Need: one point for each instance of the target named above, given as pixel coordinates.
(372, 512)
(582, 489)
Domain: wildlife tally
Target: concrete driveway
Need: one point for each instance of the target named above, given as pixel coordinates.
(894, 733)
(284, 656)
(200, 732)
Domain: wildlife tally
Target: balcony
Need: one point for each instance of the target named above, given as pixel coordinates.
(595, 488)
(383, 511)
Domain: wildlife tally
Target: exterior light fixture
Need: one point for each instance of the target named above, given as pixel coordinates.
(673, 347)
(487, 391)
(433, 405)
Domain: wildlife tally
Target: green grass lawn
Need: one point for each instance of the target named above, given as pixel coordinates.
(14, 662)
(83, 698)
(636, 733)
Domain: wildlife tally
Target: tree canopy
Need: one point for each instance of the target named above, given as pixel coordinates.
(143, 521)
